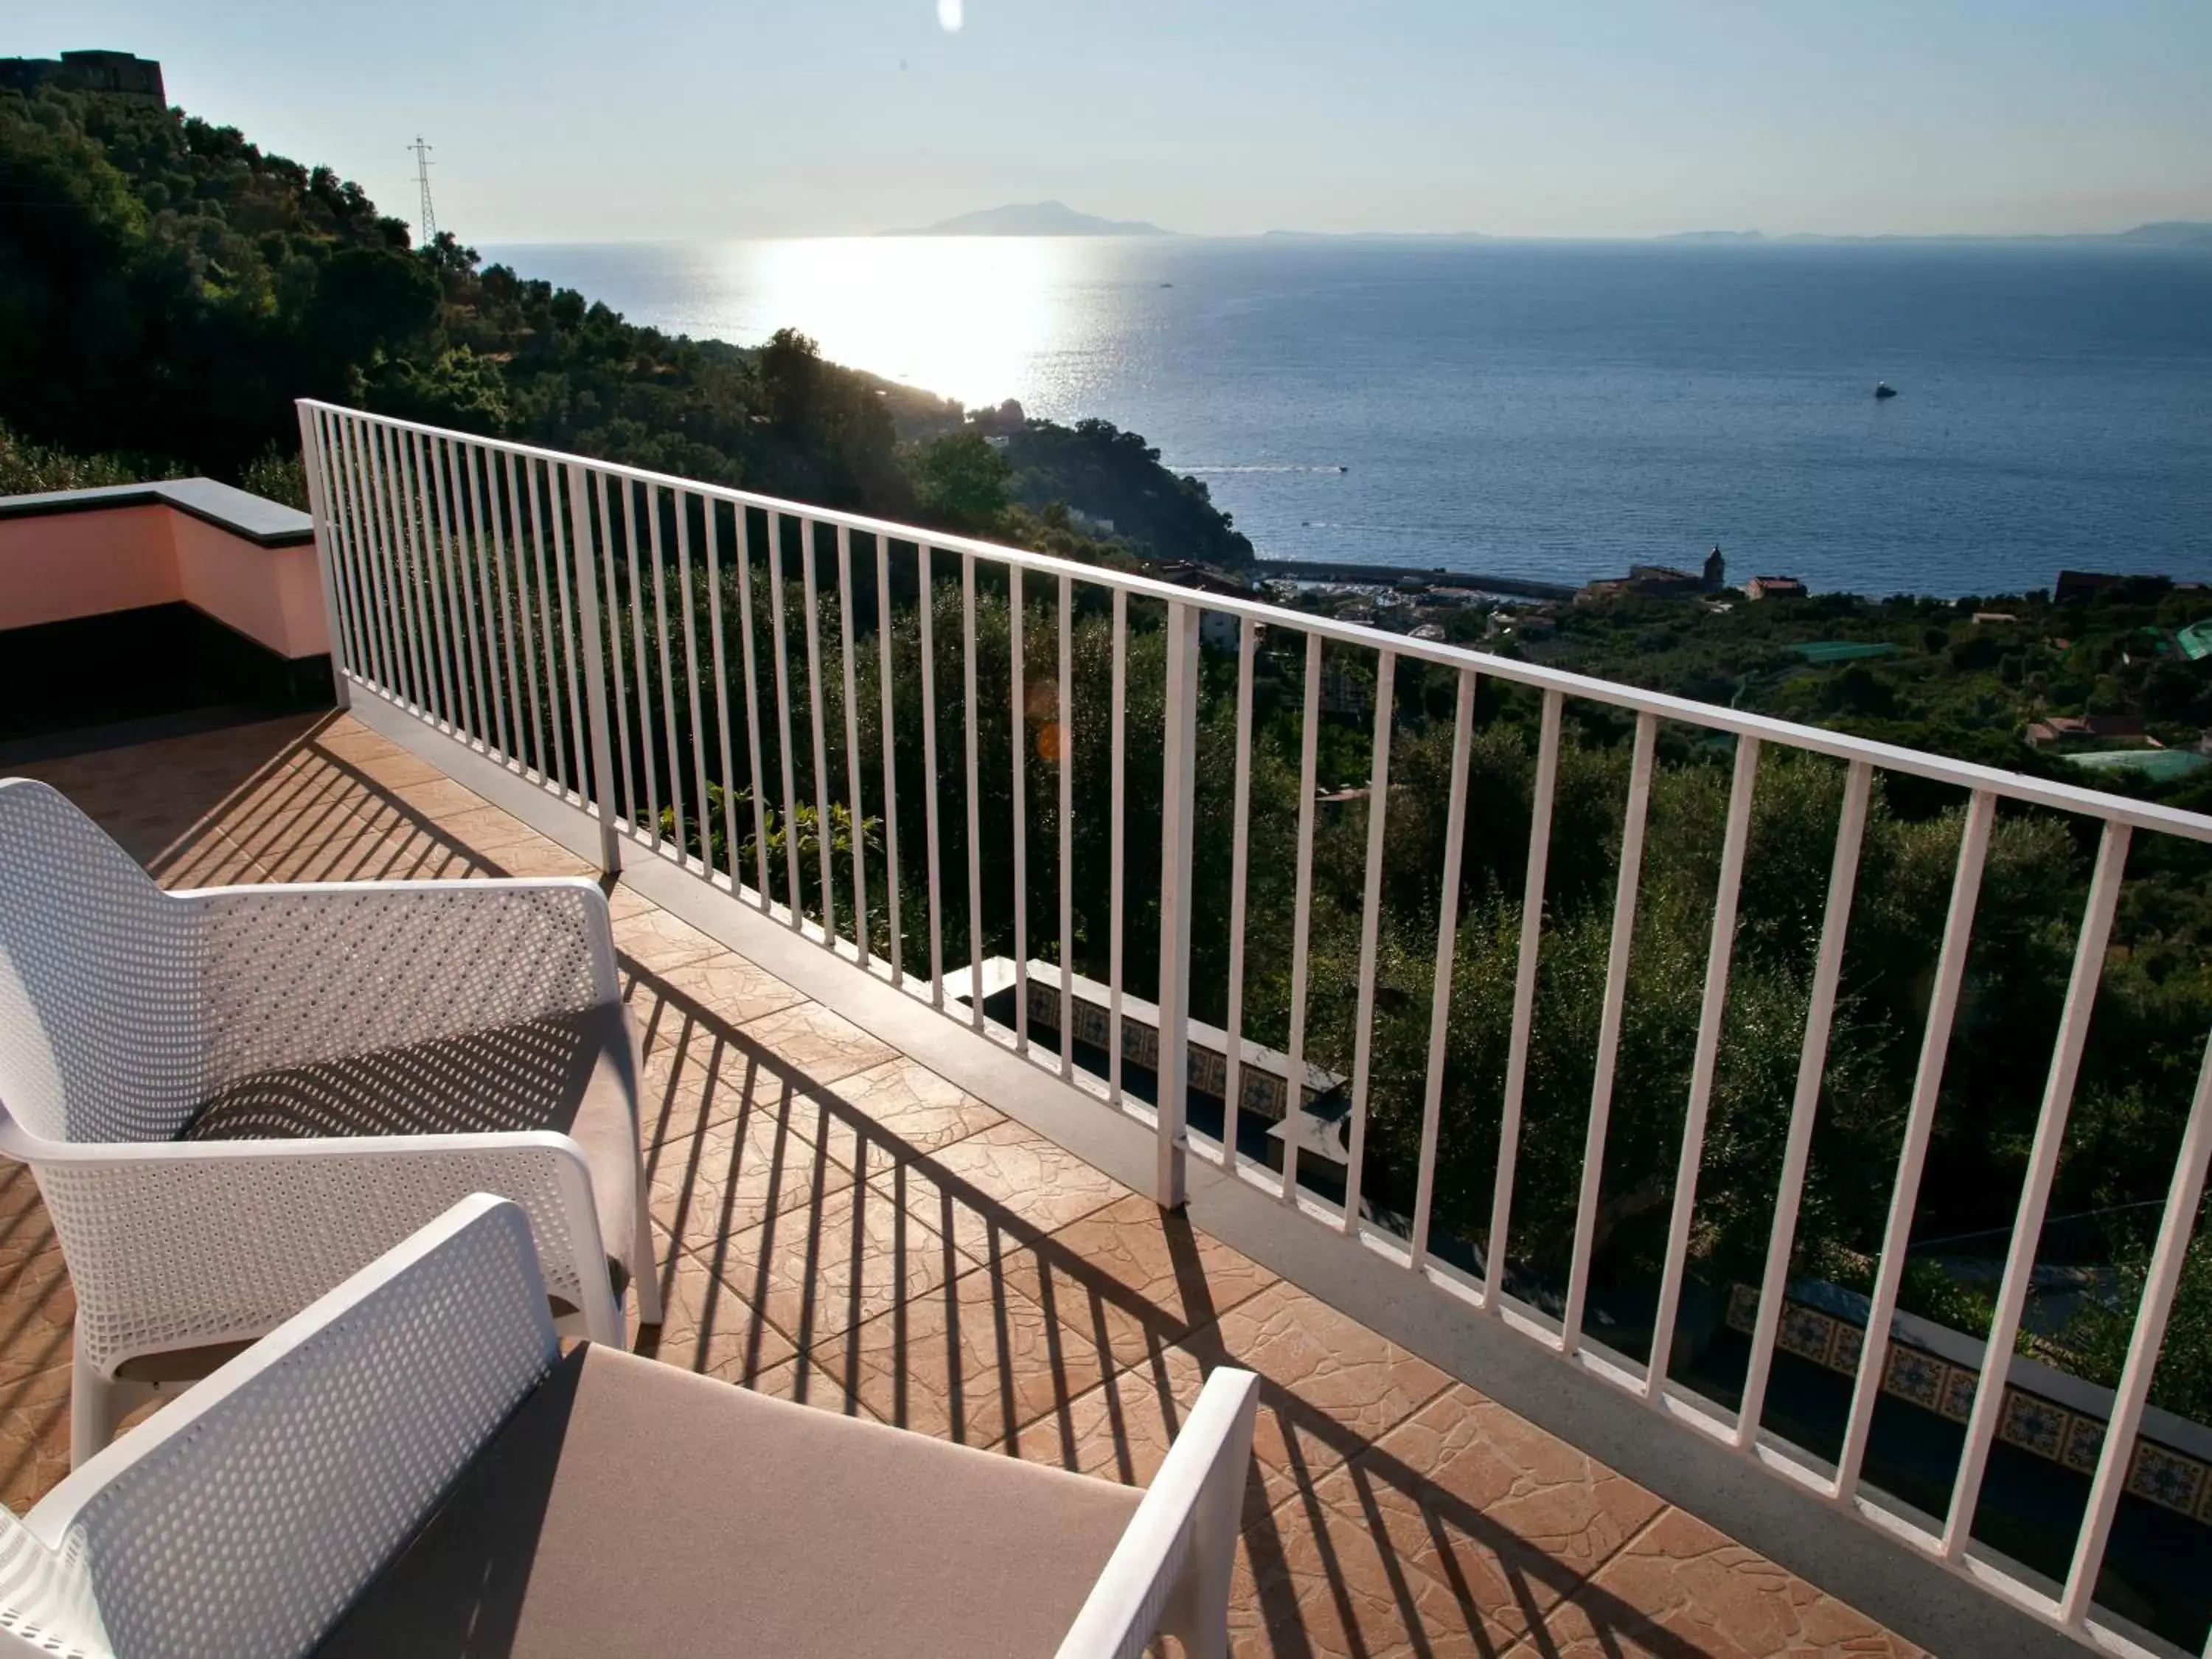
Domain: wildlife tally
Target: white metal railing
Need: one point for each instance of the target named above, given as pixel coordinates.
(518, 600)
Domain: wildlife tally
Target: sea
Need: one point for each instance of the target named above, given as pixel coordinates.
(1554, 410)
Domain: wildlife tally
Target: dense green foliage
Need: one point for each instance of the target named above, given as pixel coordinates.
(167, 289)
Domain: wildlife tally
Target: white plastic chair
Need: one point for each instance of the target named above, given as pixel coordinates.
(413, 1439)
(136, 1022)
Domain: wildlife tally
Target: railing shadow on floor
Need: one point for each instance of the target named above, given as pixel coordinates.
(928, 1207)
(306, 811)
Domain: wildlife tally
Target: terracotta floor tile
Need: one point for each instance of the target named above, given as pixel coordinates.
(1121, 1429)
(1316, 1584)
(1008, 1172)
(710, 1328)
(822, 1046)
(734, 1175)
(33, 1436)
(1332, 1384)
(971, 1360)
(440, 800)
(805, 1383)
(1483, 1499)
(627, 901)
(729, 989)
(656, 941)
(1146, 1273)
(912, 1104)
(484, 828)
(825, 1270)
(1680, 1586)
(208, 859)
(537, 857)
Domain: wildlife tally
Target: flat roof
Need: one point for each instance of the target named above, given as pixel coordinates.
(251, 517)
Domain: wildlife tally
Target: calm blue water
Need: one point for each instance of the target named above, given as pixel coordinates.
(1556, 410)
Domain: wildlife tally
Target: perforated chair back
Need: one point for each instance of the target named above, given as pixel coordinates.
(102, 1027)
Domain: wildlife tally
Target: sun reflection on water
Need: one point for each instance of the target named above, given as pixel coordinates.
(968, 317)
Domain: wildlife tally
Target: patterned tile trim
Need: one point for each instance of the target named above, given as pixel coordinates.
(2159, 1474)
(1261, 1091)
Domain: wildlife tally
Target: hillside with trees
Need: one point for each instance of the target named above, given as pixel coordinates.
(167, 288)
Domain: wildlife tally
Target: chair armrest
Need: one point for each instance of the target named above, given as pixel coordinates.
(253, 1511)
(1170, 1571)
(178, 1244)
(298, 973)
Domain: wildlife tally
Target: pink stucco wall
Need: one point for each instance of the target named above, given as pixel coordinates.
(272, 594)
(85, 564)
(60, 565)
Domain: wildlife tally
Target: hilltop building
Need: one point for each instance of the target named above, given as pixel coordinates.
(1774, 587)
(119, 73)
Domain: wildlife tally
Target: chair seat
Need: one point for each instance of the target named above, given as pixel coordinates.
(630, 1507)
(572, 1073)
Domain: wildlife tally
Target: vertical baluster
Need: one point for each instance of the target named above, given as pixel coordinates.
(1066, 749)
(595, 678)
(853, 745)
(1920, 1118)
(407, 638)
(581, 753)
(1440, 996)
(667, 674)
(1017, 662)
(1294, 1095)
(1117, 831)
(806, 540)
(369, 613)
(1719, 957)
(467, 562)
(369, 499)
(975, 803)
(485, 530)
(713, 526)
(1178, 791)
(327, 558)
(1524, 1001)
(1240, 840)
(1619, 942)
(1812, 1065)
(1363, 1029)
(549, 764)
(2182, 1196)
(929, 779)
(423, 517)
(744, 557)
(783, 717)
(641, 675)
(884, 668)
(337, 504)
(704, 819)
(2105, 883)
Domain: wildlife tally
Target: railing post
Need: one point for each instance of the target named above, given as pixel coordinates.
(311, 463)
(595, 671)
(1179, 782)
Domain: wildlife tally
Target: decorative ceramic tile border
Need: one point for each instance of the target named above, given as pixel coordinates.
(1260, 1089)
(2159, 1474)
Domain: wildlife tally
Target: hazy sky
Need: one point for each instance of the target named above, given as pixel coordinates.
(577, 121)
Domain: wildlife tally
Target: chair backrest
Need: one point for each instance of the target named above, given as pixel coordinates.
(243, 1520)
(102, 1032)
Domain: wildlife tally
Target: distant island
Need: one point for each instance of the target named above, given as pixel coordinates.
(1034, 219)
(2168, 232)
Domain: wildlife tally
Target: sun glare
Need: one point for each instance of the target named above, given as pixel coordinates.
(965, 317)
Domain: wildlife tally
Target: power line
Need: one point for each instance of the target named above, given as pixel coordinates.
(423, 165)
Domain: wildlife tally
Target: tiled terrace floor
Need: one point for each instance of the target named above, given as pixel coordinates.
(839, 1225)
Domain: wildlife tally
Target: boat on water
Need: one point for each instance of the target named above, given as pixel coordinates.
(1884, 389)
